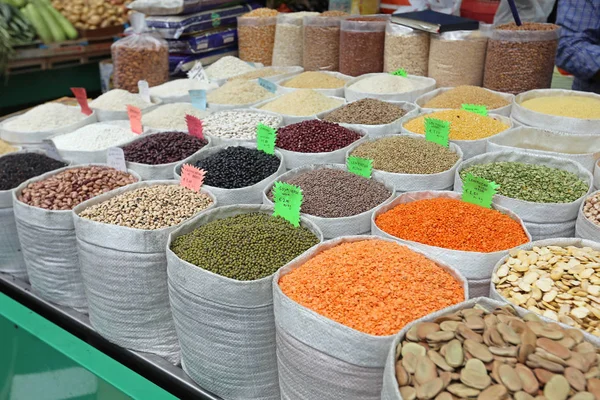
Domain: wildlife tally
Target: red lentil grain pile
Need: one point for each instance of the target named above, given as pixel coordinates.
(453, 224)
(374, 286)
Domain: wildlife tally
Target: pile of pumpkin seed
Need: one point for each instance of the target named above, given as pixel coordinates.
(476, 354)
(560, 283)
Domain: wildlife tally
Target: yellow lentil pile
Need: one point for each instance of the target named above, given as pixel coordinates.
(464, 125)
(314, 80)
(455, 98)
(6, 148)
(565, 106)
(302, 102)
(238, 92)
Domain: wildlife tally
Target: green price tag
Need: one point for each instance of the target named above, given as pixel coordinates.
(360, 166)
(477, 109)
(478, 191)
(437, 131)
(265, 138)
(399, 72)
(288, 200)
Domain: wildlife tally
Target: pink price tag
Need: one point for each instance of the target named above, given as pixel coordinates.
(194, 126)
(81, 96)
(135, 119)
(192, 177)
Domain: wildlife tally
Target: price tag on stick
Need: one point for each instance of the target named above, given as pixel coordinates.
(360, 166)
(135, 119)
(270, 86)
(115, 158)
(437, 131)
(265, 138)
(400, 72)
(198, 99)
(192, 177)
(477, 109)
(478, 191)
(194, 126)
(144, 90)
(81, 96)
(288, 200)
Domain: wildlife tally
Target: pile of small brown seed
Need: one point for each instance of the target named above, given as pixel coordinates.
(149, 208)
(492, 356)
(560, 283)
(68, 188)
(591, 208)
(366, 112)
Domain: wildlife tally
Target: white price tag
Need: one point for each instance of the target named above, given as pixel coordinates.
(198, 72)
(115, 158)
(144, 90)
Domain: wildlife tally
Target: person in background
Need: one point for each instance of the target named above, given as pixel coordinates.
(579, 46)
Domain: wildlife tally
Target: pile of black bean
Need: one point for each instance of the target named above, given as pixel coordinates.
(334, 193)
(163, 148)
(17, 168)
(237, 167)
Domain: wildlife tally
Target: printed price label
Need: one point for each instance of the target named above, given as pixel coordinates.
(50, 149)
(144, 90)
(288, 200)
(399, 72)
(115, 158)
(477, 109)
(478, 191)
(360, 166)
(135, 119)
(194, 126)
(198, 98)
(192, 177)
(198, 72)
(437, 131)
(81, 96)
(270, 86)
(265, 138)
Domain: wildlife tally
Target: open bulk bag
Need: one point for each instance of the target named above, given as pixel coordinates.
(584, 227)
(415, 182)
(362, 44)
(229, 127)
(476, 267)
(358, 224)
(422, 85)
(289, 38)
(124, 272)
(338, 92)
(584, 149)
(325, 31)
(244, 195)
(320, 358)
(543, 220)
(406, 48)
(537, 119)
(256, 38)
(504, 111)
(292, 119)
(226, 327)
(49, 247)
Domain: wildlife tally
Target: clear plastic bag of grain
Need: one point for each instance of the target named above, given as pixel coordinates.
(406, 48)
(521, 58)
(256, 35)
(457, 58)
(322, 42)
(362, 41)
(289, 38)
(140, 56)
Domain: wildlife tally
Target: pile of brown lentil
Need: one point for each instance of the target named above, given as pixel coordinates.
(367, 112)
(149, 208)
(407, 155)
(334, 193)
(464, 125)
(456, 97)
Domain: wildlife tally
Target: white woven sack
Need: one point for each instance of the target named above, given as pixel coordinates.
(319, 358)
(124, 272)
(246, 195)
(358, 224)
(552, 122)
(160, 171)
(386, 129)
(296, 159)
(424, 85)
(543, 220)
(219, 140)
(577, 242)
(415, 182)
(504, 111)
(226, 327)
(470, 148)
(15, 137)
(584, 227)
(292, 119)
(475, 266)
(339, 92)
(112, 115)
(185, 98)
(50, 250)
(584, 149)
(596, 177)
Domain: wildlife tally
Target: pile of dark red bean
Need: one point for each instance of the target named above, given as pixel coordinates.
(162, 148)
(17, 168)
(315, 136)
